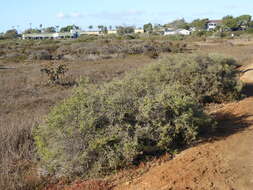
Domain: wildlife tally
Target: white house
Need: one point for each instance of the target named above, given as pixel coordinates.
(177, 32)
(170, 31)
(112, 32)
(56, 35)
(184, 32)
(212, 24)
(138, 31)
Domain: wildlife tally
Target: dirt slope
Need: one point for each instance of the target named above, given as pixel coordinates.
(225, 163)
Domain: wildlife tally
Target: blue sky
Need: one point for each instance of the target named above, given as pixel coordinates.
(20, 13)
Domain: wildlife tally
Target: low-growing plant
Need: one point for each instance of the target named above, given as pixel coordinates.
(151, 111)
(55, 72)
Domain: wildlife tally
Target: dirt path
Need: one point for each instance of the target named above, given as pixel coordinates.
(225, 163)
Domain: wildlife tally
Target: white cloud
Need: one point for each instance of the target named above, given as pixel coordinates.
(61, 16)
(76, 15)
(69, 15)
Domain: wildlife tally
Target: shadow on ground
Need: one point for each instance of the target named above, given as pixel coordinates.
(248, 89)
(229, 124)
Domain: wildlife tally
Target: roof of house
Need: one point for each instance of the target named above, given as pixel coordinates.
(215, 21)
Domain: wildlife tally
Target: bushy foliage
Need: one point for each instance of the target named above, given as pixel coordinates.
(154, 110)
(55, 72)
(90, 48)
(11, 34)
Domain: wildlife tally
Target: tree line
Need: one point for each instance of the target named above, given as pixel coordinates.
(228, 23)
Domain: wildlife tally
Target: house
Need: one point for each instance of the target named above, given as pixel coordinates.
(184, 32)
(90, 33)
(112, 32)
(170, 31)
(138, 31)
(56, 35)
(212, 24)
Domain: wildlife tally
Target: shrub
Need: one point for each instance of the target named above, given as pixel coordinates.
(100, 130)
(154, 110)
(56, 73)
(210, 78)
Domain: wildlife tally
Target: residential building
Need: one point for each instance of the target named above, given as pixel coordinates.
(138, 31)
(213, 24)
(90, 33)
(112, 32)
(56, 35)
(171, 31)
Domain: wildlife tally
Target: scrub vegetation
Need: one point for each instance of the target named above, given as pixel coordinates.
(154, 110)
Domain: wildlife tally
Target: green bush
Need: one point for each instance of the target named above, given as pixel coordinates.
(154, 110)
(208, 79)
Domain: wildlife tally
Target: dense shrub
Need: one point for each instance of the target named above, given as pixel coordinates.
(89, 48)
(154, 110)
(210, 78)
(103, 129)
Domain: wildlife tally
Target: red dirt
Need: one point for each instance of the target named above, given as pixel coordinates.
(225, 163)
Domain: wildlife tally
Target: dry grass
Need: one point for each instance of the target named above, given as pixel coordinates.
(24, 100)
(242, 50)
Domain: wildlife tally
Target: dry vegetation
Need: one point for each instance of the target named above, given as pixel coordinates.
(87, 48)
(25, 98)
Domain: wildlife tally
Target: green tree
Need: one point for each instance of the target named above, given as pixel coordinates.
(251, 24)
(103, 29)
(125, 30)
(69, 28)
(178, 24)
(199, 24)
(32, 31)
(90, 27)
(50, 30)
(11, 34)
(244, 20)
(231, 23)
(148, 28)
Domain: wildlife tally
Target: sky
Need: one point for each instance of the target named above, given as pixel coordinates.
(21, 14)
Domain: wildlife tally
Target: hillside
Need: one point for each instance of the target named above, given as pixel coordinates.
(223, 163)
(26, 98)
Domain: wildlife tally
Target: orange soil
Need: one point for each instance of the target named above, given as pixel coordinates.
(225, 163)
